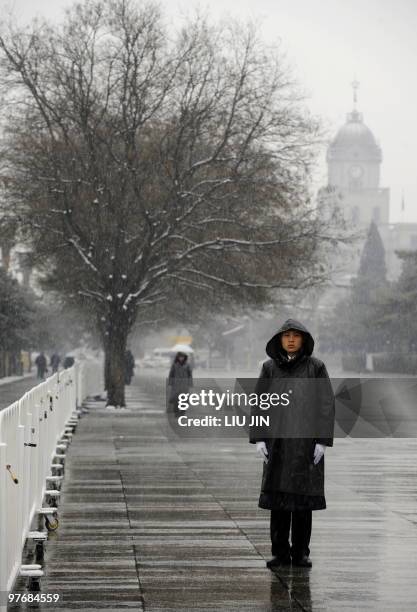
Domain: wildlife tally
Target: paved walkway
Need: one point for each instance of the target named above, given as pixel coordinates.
(12, 391)
(150, 521)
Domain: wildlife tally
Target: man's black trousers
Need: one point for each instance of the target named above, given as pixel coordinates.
(300, 523)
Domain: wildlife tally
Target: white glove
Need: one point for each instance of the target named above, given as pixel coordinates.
(262, 452)
(318, 453)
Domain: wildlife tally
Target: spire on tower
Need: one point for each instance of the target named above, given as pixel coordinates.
(355, 86)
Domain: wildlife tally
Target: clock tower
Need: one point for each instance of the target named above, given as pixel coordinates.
(353, 187)
(354, 161)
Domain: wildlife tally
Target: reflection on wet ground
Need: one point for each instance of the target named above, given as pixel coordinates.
(151, 521)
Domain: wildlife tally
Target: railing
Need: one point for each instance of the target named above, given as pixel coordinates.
(89, 380)
(29, 432)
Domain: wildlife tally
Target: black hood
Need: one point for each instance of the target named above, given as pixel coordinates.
(180, 354)
(274, 348)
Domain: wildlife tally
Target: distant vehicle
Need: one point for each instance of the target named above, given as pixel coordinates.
(154, 362)
(161, 353)
(159, 358)
(163, 357)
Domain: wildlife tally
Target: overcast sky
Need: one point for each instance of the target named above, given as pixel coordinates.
(328, 42)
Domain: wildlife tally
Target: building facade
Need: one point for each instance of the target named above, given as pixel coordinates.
(354, 161)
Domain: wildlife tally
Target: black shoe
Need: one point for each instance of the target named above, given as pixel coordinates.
(277, 561)
(303, 561)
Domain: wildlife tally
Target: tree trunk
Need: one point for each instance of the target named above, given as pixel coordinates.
(115, 350)
(106, 366)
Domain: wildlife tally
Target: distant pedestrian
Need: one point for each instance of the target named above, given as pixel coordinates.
(41, 365)
(129, 366)
(293, 470)
(54, 362)
(180, 379)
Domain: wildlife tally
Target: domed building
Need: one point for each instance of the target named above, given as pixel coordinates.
(354, 160)
(354, 164)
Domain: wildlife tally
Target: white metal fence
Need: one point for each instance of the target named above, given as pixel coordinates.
(29, 432)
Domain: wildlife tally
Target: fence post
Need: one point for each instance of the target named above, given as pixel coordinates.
(3, 541)
(77, 383)
(369, 362)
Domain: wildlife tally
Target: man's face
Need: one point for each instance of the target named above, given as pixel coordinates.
(292, 340)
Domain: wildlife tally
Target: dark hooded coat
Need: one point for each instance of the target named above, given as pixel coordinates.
(41, 364)
(290, 479)
(180, 377)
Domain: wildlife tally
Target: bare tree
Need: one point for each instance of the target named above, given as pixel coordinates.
(143, 161)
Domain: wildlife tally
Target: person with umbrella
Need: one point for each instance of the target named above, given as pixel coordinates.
(180, 379)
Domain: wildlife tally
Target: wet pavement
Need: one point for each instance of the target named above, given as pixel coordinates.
(150, 521)
(12, 391)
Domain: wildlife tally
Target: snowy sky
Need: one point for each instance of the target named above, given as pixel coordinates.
(329, 42)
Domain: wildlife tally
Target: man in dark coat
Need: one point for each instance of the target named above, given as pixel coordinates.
(54, 363)
(180, 379)
(41, 365)
(293, 472)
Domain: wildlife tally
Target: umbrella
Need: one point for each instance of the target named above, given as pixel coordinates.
(182, 348)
